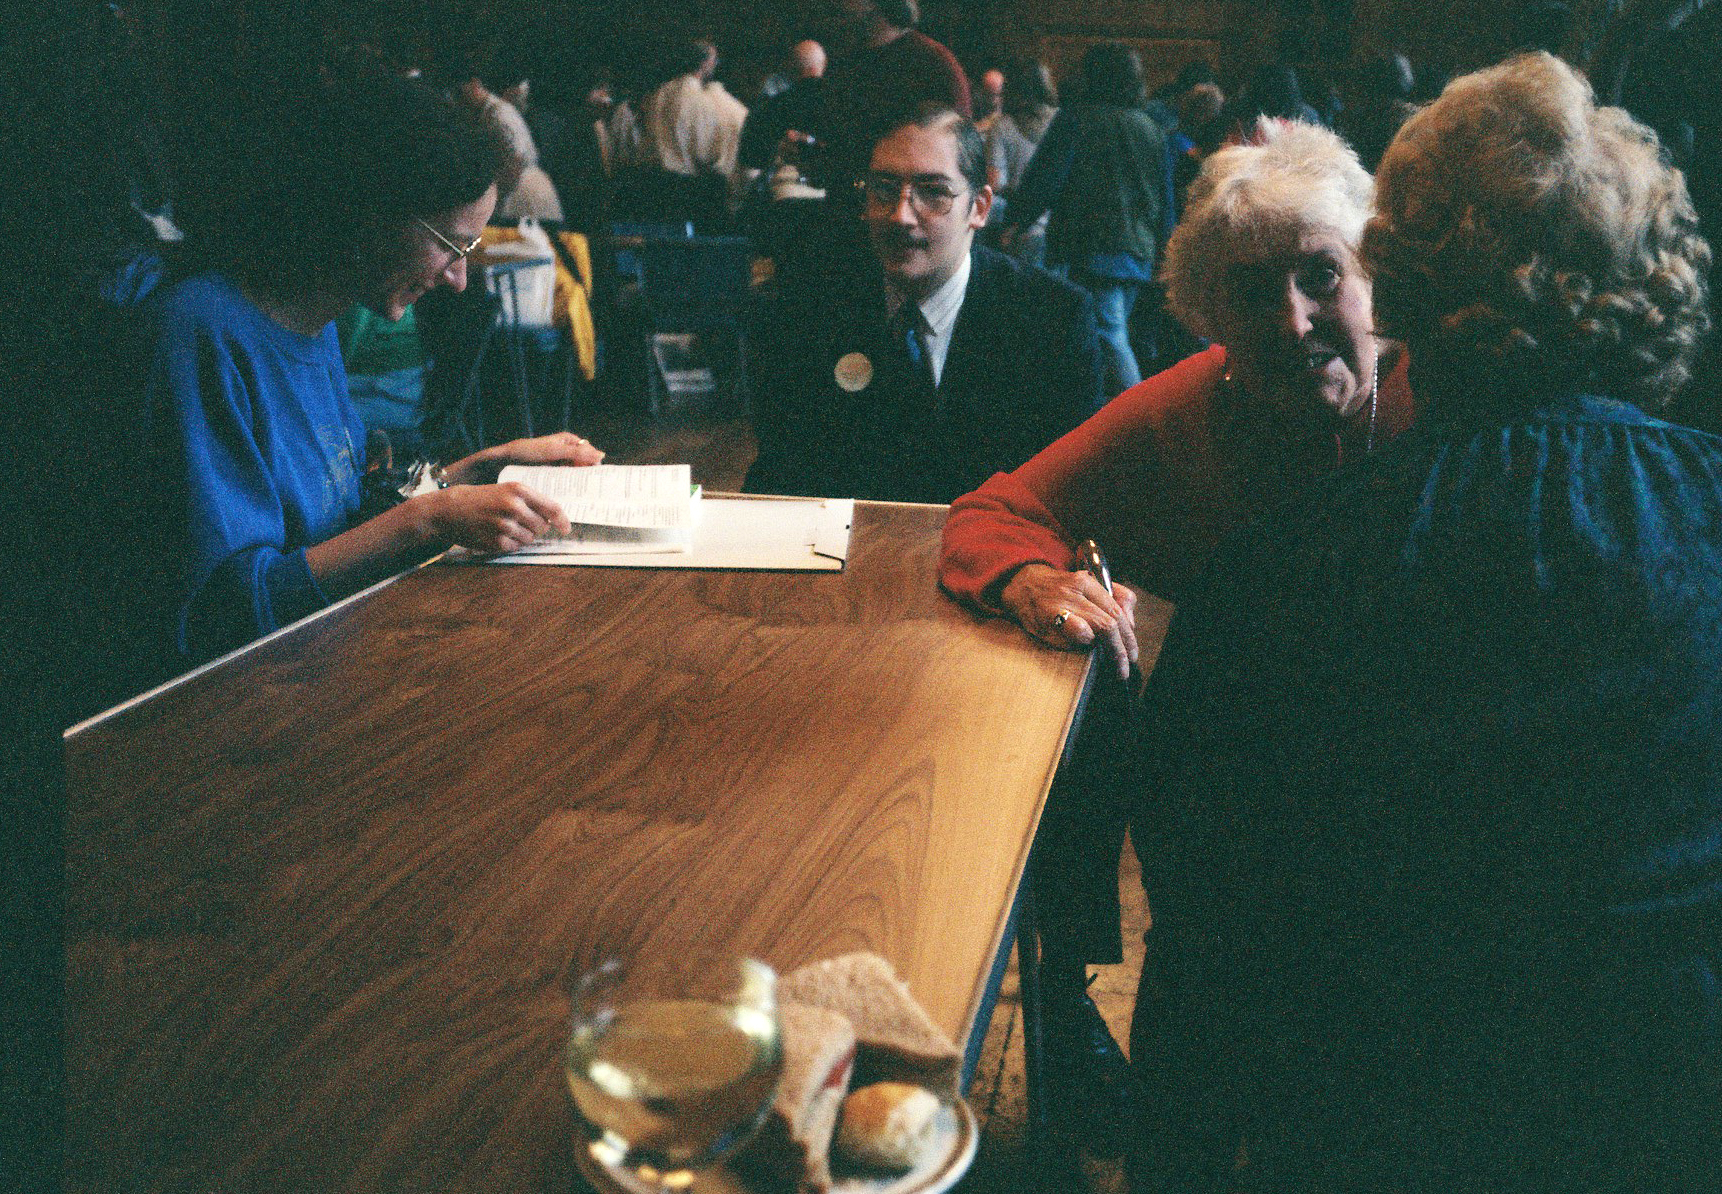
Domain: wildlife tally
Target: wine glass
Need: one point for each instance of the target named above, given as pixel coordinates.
(672, 1073)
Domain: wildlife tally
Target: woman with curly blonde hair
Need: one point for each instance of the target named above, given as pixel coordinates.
(1437, 891)
(1539, 243)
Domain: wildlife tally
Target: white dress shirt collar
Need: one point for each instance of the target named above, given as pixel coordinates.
(940, 309)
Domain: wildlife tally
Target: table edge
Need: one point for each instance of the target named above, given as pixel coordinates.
(1003, 938)
(94, 720)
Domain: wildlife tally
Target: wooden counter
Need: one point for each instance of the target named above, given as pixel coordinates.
(325, 897)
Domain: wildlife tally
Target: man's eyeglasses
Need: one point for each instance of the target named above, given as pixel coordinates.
(461, 252)
(927, 197)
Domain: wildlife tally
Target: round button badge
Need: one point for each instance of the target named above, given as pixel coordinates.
(854, 371)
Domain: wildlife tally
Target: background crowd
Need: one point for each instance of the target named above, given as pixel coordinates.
(1398, 385)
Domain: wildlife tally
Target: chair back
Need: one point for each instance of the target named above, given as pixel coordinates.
(455, 329)
(695, 283)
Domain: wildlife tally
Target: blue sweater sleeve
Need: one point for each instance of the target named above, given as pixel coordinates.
(242, 574)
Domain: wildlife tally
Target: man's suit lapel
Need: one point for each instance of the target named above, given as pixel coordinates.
(966, 363)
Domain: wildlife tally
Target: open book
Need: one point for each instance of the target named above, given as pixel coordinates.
(614, 507)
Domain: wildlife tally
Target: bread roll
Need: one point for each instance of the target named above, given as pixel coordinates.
(888, 1125)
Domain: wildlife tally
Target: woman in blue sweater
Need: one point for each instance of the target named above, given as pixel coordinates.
(377, 191)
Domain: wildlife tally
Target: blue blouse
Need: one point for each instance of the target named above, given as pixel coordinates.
(1433, 843)
(259, 453)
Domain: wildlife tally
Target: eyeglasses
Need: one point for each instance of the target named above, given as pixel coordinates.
(927, 197)
(461, 252)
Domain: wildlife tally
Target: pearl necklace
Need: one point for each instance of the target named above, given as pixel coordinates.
(1374, 398)
(1374, 393)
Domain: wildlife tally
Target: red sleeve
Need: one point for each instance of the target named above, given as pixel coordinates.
(992, 532)
(1107, 479)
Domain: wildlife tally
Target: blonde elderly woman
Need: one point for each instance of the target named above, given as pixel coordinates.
(1297, 383)
(1437, 757)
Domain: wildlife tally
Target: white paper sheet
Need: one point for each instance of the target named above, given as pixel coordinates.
(737, 531)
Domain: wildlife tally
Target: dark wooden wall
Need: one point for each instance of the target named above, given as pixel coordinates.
(1167, 34)
(566, 38)
(1445, 36)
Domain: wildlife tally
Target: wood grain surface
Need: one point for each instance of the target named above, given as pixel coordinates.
(325, 898)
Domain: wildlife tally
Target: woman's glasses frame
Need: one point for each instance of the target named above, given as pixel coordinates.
(461, 253)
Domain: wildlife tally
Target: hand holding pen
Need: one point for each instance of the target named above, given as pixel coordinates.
(1076, 609)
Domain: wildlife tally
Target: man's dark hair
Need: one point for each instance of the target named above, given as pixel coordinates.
(1273, 90)
(1387, 77)
(1112, 74)
(691, 55)
(453, 66)
(1028, 86)
(971, 150)
(1193, 74)
(899, 14)
(503, 72)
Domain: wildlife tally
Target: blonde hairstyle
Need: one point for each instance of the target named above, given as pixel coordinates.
(1535, 239)
(1254, 198)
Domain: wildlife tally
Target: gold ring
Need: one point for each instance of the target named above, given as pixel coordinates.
(1063, 617)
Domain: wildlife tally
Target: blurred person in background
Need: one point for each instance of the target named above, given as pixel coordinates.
(794, 108)
(1378, 103)
(566, 119)
(1273, 93)
(691, 126)
(989, 99)
(1030, 103)
(1201, 129)
(494, 95)
(1163, 105)
(1103, 172)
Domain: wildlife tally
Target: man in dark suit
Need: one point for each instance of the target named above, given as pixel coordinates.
(918, 379)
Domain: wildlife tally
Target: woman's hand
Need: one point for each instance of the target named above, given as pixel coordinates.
(481, 467)
(483, 518)
(493, 518)
(1070, 609)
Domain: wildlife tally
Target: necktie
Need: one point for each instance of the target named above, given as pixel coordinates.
(907, 327)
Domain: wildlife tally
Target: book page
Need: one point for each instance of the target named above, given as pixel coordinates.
(642, 496)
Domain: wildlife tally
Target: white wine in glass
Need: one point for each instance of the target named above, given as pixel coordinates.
(670, 1078)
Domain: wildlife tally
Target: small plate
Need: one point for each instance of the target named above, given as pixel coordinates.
(955, 1131)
